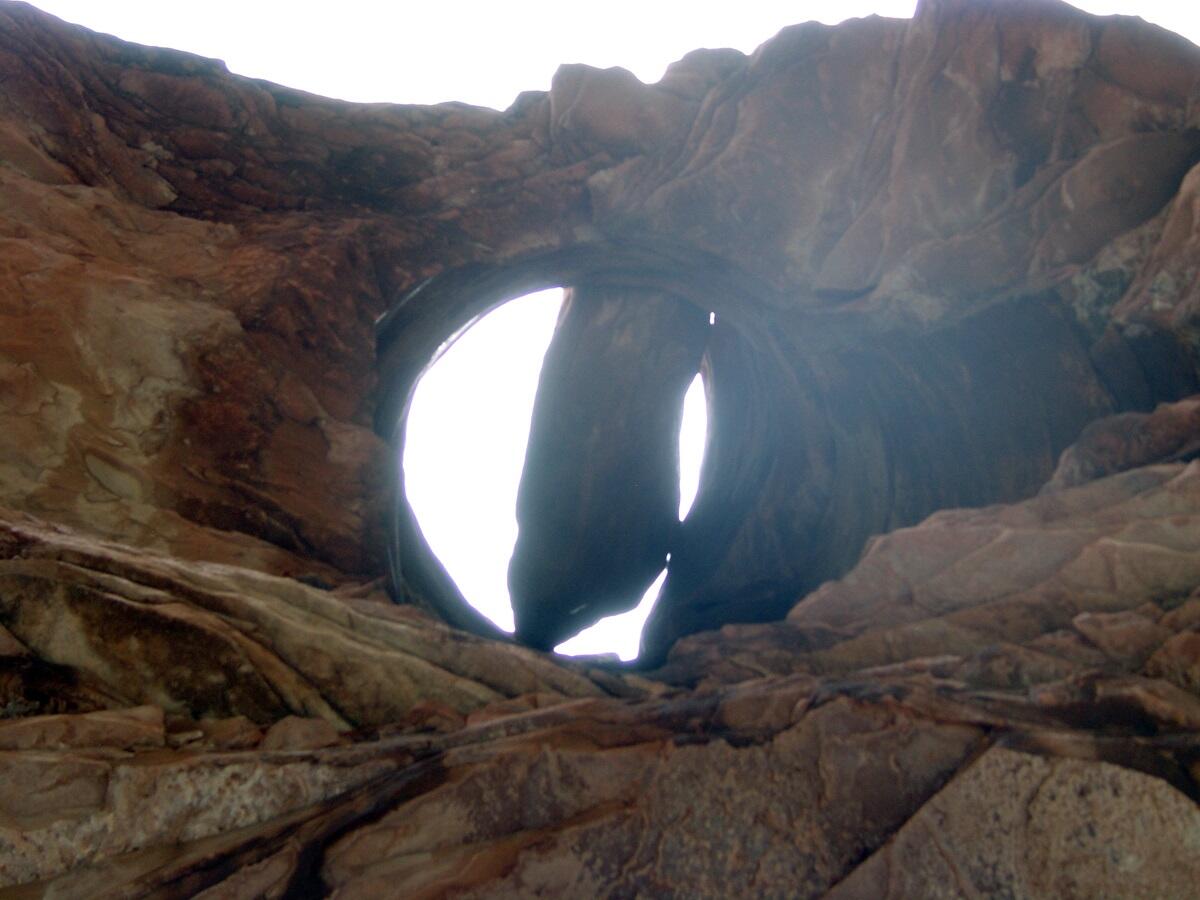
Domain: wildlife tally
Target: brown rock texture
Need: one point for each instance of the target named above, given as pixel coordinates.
(1017, 594)
(898, 653)
(213, 641)
(1062, 829)
(1117, 443)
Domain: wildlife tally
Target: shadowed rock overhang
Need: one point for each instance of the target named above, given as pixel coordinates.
(954, 266)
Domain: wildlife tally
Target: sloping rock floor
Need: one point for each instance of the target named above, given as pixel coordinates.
(995, 702)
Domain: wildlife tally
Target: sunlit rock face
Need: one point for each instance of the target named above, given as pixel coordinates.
(940, 253)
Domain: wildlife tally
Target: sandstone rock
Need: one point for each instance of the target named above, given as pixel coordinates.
(1071, 648)
(32, 686)
(505, 708)
(1049, 828)
(1178, 661)
(1127, 636)
(124, 729)
(937, 250)
(1117, 443)
(256, 234)
(599, 496)
(10, 646)
(236, 733)
(1185, 614)
(428, 716)
(1162, 702)
(882, 431)
(65, 811)
(1136, 702)
(651, 818)
(950, 580)
(219, 641)
(1088, 558)
(1009, 666)
(660, 796)
(296, 733)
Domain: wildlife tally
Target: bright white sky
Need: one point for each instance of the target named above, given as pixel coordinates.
(467, 430)
(470, 419)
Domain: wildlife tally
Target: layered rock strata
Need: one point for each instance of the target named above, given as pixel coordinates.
(599, 500)
(943, 278)
(861, 773)
(940, 252)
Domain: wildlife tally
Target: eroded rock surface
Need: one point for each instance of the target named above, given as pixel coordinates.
(940, 253)
(948, 229)
(845, 776)
(1062, 828)
(1006, 592)
(1118, 443)
(209, 640)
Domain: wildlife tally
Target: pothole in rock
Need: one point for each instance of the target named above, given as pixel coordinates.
(466, 435)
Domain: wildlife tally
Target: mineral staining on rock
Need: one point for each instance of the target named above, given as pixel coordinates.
(941, 253)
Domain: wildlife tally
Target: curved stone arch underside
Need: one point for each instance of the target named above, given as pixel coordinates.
(423, 322)
(826, 426)
(981, 228)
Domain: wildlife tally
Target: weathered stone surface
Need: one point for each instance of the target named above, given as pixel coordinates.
(1117, 443)
(1019, 826)
(123, 729)
(192, 268)
(603, 796)
(653, 819)
(1126, 636)
(1054, 584)
(978, 156)
(974, 156)
(884, 428)
(214, 641)
(937, 250)
(235, 733)
(64, 810)
(950, 583)
(296, 733)
(1178, 661)
(9, 646)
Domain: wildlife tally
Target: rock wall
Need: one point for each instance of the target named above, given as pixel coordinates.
(939, 254)
(928, 242)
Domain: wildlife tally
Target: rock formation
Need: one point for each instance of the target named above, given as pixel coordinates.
(945, 557)
(598, 506)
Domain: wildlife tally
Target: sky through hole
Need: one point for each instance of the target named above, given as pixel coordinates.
(467, 429)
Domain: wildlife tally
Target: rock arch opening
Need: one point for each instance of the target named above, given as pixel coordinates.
(826, 428)
(465, 441)
(661, 299)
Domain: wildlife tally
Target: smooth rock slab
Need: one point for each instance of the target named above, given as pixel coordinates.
(1020, 826)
